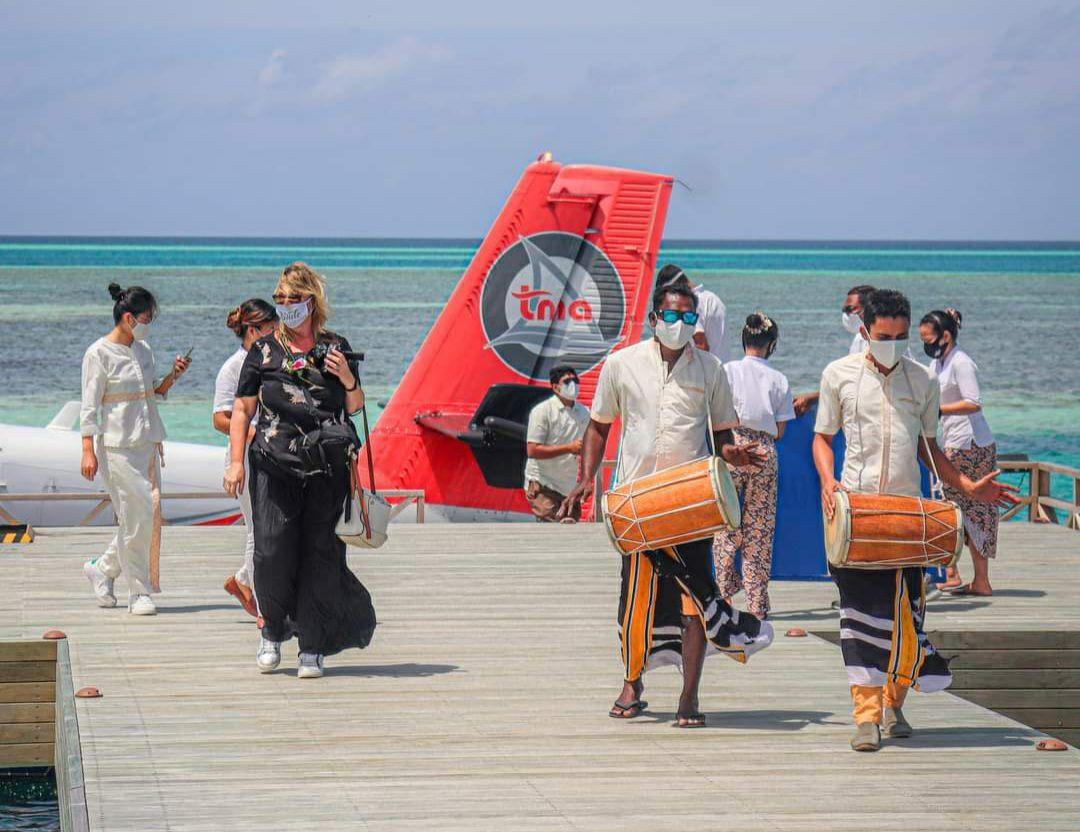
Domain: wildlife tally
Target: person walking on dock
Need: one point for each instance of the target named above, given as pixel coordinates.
(887, 406)
(667, 394)
(553, 447)
(710, 331)
(763, 403)
(251, 320)
(967, 442)
(301, 464)
(122, 433)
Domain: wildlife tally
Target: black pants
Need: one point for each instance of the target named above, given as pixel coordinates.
(302, 582)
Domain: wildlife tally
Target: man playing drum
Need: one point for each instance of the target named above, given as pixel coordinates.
(667, 393)
(887, 406)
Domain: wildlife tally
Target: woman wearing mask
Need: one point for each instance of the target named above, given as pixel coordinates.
(300, 466)
(966, 440)
(251, 320)
(764, 404)
(122, 435)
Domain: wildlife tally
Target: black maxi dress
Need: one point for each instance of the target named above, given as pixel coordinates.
(303, 585)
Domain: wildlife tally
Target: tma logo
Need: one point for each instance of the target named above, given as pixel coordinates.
(552, 298)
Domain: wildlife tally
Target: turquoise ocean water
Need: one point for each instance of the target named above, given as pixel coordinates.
(1021, 305)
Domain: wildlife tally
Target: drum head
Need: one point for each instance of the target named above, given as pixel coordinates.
(838, 530)
(724, 491)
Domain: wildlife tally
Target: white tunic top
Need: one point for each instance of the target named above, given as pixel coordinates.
(958, 376)
(761, 394)
(664, 416)
(882, 417)
(712, 320)
(552, 423)
(118, 399)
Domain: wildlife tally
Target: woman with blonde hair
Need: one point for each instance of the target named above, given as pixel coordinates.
(251, 320)
(300, 463)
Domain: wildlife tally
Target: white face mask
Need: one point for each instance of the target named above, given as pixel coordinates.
(294, 314)
(674, 336)
(852, 322)
(887, 353)
(139, 331)
(568, 390)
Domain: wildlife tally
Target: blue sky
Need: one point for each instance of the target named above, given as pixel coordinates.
(851, 120)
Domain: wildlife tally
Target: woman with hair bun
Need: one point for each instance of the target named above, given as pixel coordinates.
(122, 433)
(764, 403)
(251, 320)
(966, 440)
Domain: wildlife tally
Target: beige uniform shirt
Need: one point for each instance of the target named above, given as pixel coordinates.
(552, 423)
(664, 415)
(882, 417)
(118, 399)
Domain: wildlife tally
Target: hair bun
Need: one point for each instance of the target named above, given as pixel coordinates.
(115, 292)
(235, 320)
(954, 313)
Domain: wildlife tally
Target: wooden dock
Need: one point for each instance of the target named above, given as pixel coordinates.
(482, 702)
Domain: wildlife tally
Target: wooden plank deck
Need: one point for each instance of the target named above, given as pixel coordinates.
(481, 703)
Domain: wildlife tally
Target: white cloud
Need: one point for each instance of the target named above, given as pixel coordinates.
(273, 70)
(349, 74)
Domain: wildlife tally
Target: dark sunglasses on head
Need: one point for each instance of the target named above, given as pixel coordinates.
(848, 308)
(670, 316)
(289, 298)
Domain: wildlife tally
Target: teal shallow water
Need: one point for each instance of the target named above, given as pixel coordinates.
(1020, 302)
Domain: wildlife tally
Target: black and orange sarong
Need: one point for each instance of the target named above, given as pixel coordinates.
(656, 588)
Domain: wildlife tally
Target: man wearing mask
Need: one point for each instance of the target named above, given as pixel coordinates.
(851, 318)
(887, 406)
(553, 445)
(667, 394)
(710, 331)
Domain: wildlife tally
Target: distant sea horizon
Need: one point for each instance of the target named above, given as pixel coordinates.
(1020, 300)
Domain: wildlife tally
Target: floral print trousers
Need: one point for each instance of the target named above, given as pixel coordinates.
(754, 537)
(980, 519)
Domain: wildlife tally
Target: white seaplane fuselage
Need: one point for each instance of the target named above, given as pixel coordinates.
(46, 461)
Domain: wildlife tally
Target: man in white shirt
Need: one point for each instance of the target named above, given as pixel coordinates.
(851, 318)
(667, 393)
(710, 332)
(553, 447)
(887, 406)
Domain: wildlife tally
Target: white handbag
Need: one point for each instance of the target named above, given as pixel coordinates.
(366, 517)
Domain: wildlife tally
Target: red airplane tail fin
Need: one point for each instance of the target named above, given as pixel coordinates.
(563, 277)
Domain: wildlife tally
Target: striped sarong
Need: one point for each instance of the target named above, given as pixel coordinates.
(881, 629)
(651, 610)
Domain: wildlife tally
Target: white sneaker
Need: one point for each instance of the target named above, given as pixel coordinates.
(269, 655)
(102, 584)
(309, 666)
(142, 605)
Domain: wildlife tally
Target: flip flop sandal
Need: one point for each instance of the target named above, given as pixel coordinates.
(695, 720)
(959, 589)
(948, 587)
(624, 709)
(967, 592)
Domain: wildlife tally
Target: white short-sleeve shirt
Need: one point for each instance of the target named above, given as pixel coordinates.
(553, 423)
(665, 416)
(883, 417)
(958, 375)
(227, 379)
(712, 321)
(118, 399)
(761, 394)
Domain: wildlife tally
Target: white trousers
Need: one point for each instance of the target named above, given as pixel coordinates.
(131, 477)
(246, 574)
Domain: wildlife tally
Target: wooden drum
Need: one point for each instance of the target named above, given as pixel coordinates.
(888, 531)
(688, 502)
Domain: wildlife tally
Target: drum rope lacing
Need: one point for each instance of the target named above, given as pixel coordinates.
(930, 546)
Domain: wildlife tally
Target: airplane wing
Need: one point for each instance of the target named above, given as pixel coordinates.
(563, 277)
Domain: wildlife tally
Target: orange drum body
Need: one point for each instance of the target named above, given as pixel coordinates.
(887, 531)
(688, 502)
